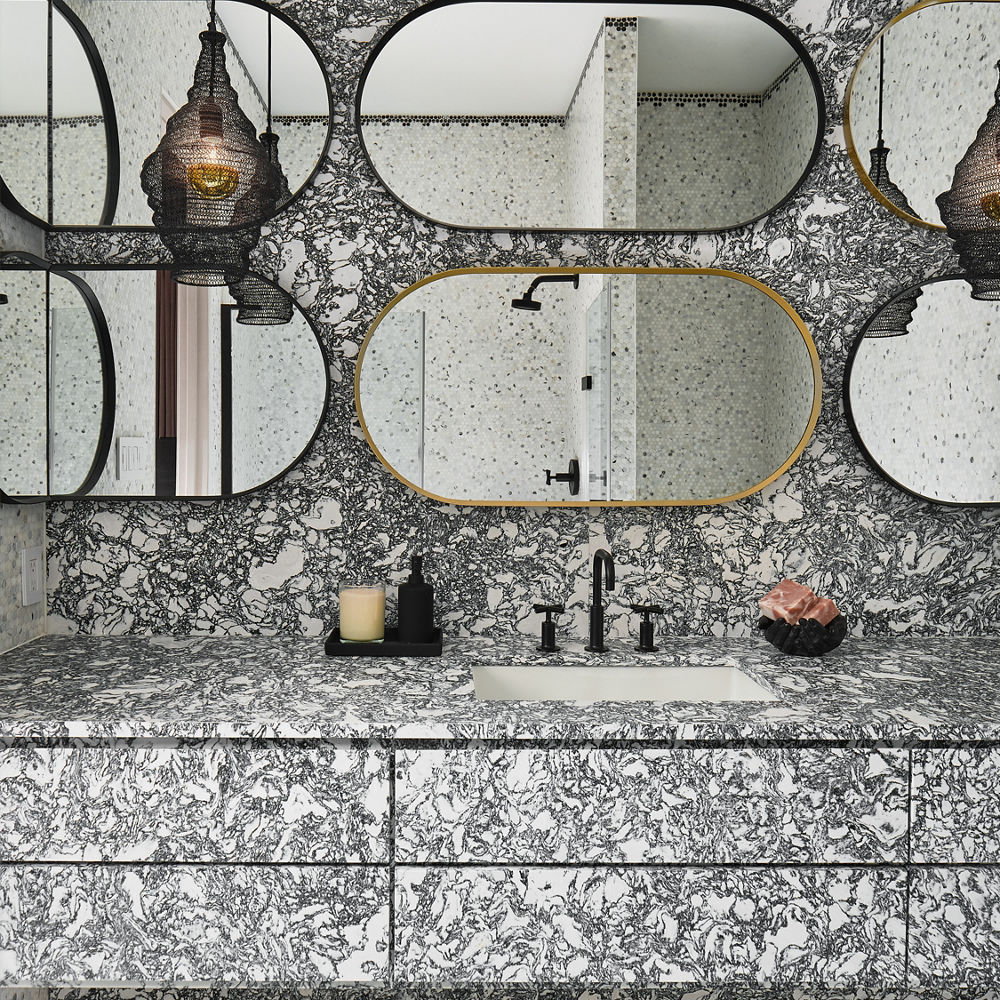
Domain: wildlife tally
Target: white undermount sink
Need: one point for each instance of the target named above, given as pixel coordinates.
(615, 683)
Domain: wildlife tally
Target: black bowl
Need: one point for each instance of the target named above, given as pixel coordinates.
(808, 638)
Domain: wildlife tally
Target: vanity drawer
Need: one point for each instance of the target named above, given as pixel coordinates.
(956, 806)
(608, 806)
(72, 924)
(650, 925)
(955, 928)
(208, 802)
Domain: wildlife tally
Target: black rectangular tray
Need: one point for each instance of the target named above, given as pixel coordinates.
(390, 646)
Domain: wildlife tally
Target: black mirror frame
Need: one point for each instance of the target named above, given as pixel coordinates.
(106, 224)
(849, 412)
(106, 354)
(101, 461)
(785, 32)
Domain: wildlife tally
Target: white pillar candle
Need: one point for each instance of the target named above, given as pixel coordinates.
(362, 614)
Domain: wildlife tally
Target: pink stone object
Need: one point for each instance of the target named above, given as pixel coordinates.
(788, 600)
(822, 610)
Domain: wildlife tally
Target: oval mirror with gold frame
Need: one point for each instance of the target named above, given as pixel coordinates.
(916, 100)
(588, 386)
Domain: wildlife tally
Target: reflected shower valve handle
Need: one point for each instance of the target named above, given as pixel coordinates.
(572, 477)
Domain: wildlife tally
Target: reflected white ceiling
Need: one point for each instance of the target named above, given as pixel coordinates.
(297, 80)
(297, 85)
(526, 58)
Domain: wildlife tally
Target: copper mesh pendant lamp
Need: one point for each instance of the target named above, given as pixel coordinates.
(209, 182)
(970, 208)
(879, 171)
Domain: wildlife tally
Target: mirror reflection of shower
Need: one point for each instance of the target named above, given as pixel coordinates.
(528, 303)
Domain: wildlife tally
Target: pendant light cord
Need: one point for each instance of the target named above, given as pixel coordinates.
(211, 27)
(268, 70)
(881, 73)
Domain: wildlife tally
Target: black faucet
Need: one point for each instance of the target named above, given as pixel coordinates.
(597, 608)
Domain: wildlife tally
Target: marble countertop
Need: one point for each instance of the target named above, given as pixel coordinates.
(902, 689)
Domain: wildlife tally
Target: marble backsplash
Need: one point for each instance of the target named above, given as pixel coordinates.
(270, 563)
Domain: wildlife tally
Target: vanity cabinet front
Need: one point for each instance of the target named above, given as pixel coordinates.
(955, 894)
(650, 925)
(216, 801)
(291, 924)
(650, 806)
(217, 861)
(642, 865)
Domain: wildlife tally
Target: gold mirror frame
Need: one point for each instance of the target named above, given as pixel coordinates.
(852, 151)
(718, 272)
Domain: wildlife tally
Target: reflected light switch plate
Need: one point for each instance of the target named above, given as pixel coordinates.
(32, 575)
(131, 456)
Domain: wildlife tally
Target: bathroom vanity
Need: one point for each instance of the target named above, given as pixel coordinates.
(250, 811)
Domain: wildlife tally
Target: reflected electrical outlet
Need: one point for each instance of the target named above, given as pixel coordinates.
(32, 577)
(131, 457)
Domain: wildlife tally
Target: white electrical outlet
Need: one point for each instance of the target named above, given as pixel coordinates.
(32, 576)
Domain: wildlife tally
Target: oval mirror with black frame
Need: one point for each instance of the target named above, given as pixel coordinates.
(549, 115)
(576, 387)
(57, 383)
(119, 69)
(916, 100)
(922, 393)
(204, 404)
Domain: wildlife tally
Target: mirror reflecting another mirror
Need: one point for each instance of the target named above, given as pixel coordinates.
(120, 68)
(666, 386)
(54, 364)
(595, 115)
(939, 77)
(923, 399)
(201, 405)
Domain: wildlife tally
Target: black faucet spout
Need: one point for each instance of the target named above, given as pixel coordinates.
(601, 557)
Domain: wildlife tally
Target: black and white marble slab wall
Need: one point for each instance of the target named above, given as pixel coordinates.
(522, 991)
(894, 564)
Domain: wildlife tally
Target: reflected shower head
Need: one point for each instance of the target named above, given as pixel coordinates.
(528, 303)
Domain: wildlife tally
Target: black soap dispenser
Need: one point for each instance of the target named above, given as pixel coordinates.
(415, 605)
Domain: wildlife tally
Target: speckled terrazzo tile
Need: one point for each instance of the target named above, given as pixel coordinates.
(954, 806)
(213, 802)
(612, 925)
(345, 248)
(245, 924)
(512, 806)
(953, 934)
(867, 691)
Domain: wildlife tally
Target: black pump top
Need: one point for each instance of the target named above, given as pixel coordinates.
(416, 569)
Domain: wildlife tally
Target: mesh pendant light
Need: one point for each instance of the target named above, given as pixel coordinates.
(970, 209)
(893, 319)
(878, 172)
(261, 303)
(209, 182)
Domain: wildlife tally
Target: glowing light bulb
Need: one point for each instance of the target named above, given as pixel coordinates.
(211, 178)
(991, 205)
